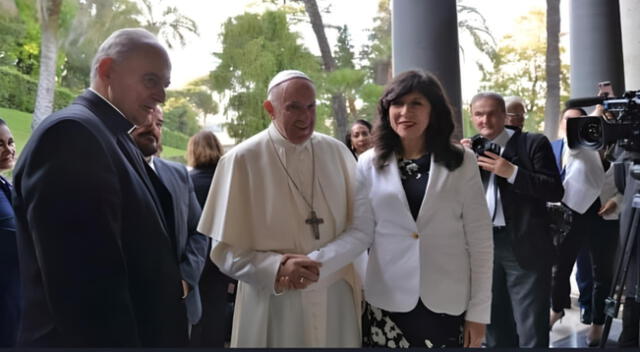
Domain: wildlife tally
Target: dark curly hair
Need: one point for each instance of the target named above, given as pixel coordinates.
(438, 133)
(347, 137)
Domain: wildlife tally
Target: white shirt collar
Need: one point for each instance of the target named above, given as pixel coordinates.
(113, 106)
(151, 164)
(504, 136)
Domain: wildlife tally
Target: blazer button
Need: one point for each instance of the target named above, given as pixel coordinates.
(415, 235)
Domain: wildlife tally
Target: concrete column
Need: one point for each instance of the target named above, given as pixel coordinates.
(596, 46)
(425, 36)
(629, 12)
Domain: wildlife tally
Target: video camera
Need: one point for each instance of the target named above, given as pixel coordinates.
(596, 132)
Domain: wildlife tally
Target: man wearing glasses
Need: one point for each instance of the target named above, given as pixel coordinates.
(515, 112)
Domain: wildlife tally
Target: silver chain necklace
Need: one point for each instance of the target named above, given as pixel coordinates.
(313, 220)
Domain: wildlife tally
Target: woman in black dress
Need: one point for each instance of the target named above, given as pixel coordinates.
(216, 289)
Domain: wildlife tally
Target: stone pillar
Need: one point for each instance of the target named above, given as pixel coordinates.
(629, 12)
(596, 46)
(425, 36)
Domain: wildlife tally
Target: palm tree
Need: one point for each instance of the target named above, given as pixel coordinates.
(169, 24)
(552, 105)
(49, 15)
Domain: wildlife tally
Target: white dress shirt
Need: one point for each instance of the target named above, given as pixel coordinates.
(495, 202)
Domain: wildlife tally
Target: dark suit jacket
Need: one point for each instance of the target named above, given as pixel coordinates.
(191, 245)
(10, 305)
(97, 262)
(524, 201)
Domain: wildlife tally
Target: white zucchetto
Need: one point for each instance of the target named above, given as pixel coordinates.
(284, 76)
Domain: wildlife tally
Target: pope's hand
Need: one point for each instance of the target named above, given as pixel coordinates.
(297, 272)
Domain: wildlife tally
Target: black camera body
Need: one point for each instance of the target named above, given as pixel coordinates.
(596, 132)
(480, 145)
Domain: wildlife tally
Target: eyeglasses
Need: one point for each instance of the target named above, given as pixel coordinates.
(513, 114)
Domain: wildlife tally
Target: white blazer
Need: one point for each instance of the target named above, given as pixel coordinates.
(445, 257)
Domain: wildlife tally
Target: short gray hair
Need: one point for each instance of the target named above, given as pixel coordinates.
(513, 99)
(120, 44)
(489, 95)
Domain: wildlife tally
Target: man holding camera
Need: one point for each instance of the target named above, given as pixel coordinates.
(520, 176)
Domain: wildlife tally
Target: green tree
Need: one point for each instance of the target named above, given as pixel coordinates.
(94, 22)
(254, 48)
(180, 116)
(376, 55)
(52, 16)
(519, 68)
(200, 95)
(168, 23)
(344, 49)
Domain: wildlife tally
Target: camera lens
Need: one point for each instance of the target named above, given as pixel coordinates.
(592, 132)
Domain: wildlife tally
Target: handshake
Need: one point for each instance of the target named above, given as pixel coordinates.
(296, 272)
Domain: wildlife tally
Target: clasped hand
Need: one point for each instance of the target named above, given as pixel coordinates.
(296, 272)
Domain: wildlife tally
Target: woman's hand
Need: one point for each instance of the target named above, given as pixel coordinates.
(473, 334)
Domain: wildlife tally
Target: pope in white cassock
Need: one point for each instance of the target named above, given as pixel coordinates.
(284, 192)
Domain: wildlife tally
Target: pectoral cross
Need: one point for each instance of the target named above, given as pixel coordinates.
(314, 221)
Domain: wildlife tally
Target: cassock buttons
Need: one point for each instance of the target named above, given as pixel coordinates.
(415, 235)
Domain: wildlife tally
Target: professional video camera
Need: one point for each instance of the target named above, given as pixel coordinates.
(622, 124)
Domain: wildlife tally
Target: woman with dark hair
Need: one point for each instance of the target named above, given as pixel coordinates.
(203, 152)
(358, 139)
(9, 275)
(421, 211)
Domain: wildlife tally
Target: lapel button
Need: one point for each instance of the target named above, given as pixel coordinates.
(415, 235)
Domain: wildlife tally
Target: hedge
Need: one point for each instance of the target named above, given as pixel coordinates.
(18, 91)
(174, 139)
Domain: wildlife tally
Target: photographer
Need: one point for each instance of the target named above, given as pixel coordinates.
(519, 177)
(583, 177)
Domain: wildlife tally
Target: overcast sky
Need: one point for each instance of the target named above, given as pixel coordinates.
(195, 60)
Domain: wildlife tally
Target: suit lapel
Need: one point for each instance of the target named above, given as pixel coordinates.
(436, 178)
(134, 157)
(392, 176)
(119, 127)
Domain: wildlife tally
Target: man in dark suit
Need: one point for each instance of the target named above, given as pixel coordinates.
(177, 186)
(518, 183)
(98, 258)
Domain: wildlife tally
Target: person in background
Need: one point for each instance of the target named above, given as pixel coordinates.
(359, 140)
(519, 180)
(515, 112)
(182, 210)
(583, 177)
(98, 259)
(421, 212)
(10, 304)
(216, 289)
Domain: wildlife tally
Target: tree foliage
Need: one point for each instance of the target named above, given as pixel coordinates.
(180, 116)
(255, 48)
(518, 68)
(344, 49)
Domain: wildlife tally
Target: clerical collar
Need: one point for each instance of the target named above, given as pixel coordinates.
(504, 136)
(113, 106)
(283, 142)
